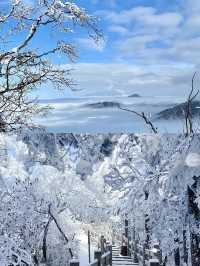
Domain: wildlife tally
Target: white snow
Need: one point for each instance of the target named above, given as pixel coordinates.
(193, 160)
(41, 169)
(83, 255)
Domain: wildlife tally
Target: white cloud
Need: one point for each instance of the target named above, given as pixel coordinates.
(112, 3)
(148, 37)
(119, 29)
(90, 44)
(153, 36)
(123, 79)
(191, 7)
(162, 49)
(194, 21)
(137, 43)
(128, 16)
(146, 16)
(162, 20)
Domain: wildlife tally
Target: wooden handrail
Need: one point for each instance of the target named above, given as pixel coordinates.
(94, 263)
(103, 256)
(145, 256)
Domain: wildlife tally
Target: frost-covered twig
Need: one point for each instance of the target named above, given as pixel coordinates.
(188, 108)
(143, 116)
(24, 68)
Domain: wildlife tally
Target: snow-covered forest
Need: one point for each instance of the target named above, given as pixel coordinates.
(56, 187)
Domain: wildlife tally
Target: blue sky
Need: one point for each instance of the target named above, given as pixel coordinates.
(151, 47)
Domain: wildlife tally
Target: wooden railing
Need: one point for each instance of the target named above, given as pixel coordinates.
(145, 256)
(102, 260)
(102, 256)
(140, 252)
(94, 263)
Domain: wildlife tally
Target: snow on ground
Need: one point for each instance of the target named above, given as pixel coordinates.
(40, 172)
(83, 255)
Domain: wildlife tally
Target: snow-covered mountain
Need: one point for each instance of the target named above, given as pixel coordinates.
(178, 111)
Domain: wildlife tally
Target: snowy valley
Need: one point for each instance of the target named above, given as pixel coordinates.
(56, 187)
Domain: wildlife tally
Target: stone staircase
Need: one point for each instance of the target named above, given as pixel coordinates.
(117, 259)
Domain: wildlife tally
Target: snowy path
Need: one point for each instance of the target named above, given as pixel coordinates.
(83, 255)
(117, 259)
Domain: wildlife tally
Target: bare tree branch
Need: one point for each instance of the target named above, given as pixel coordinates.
(143, 116)
(188, 108)
(22, 68)
(46, 229)
(60, 230)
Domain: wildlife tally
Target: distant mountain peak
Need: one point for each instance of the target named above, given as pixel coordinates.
(177, 111)
(135, 95)
(103, 104)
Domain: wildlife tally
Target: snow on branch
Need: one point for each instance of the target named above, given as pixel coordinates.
(23, 67)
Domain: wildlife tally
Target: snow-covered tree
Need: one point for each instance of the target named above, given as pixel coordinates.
(26, 65)
(48, 193)
(155, 182)
(45, 203)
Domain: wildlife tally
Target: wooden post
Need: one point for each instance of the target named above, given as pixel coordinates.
(158, 254)
(177, 252)
(103, 261)
(144, 256)
(126, 236)
(135, 248)
(108, 261)
(126, 228)
(110, 257)
(89, 245)
(102, 240)
(74, 262)
(185, 248)
(97, 255)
